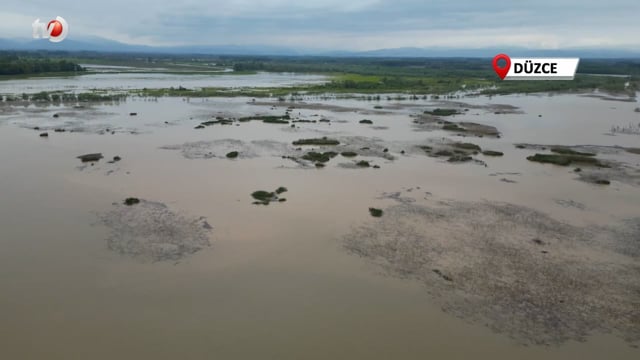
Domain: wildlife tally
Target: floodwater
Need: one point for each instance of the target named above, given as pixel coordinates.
(129, 81)
(276, 282)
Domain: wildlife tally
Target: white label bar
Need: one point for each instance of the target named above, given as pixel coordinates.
(543, 69)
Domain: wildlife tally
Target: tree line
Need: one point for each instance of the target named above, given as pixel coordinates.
(19, 65)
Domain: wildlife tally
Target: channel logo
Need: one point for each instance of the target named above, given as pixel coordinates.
(55, 30)
(535, 68)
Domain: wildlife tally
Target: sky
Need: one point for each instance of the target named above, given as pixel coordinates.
(353, 25)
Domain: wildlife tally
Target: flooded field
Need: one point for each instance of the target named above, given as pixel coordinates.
(474, 255)
(127, 81)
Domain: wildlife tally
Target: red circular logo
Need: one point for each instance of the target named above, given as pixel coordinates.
(55, 28)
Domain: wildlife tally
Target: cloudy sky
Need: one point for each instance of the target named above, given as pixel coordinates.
(340, 24)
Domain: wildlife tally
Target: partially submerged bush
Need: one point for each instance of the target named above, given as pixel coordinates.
(602, 182)
(266, 197)
(349, 154)
(262, 195)
(376, 212)
(131, 201)
(492, 153)
(90, 157)
(319, 157)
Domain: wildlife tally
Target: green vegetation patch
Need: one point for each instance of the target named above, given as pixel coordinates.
(317, 141)
(443, 153)
(376, 212)
(266, 197)
(442, 112)
(567, 151)
(319, 157)
(453, 127)
(275, 121)
(459, 158)
(14, 64)
(564, 160)
(467, 146)
(217, 122)
(349, 154)
(131, 201)
(268, 119)
(492, 153)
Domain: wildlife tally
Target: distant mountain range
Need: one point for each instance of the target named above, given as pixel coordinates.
(104, 45)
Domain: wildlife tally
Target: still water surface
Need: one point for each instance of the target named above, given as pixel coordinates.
(276, 283)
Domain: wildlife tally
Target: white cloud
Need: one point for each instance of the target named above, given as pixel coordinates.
(14, 25)
(340, 24)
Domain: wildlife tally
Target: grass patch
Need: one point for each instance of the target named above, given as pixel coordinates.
(567, 151)
(233, 155)
(564, 160)
(376, 212)
(442, 112)
(275, 121)
(318, 142)
(467, 146)
(268, 119)
(443, 153)
(492, 153)
(367, 122)
(319, 157)
(364, 164)
(459, 158)
(453, 127)
(217, 122)
(349, 154)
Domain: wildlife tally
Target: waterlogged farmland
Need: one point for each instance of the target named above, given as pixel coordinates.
(153, 219)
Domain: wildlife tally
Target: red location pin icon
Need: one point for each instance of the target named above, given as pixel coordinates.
(502, 71)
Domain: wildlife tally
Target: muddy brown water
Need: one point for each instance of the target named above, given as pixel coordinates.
(276, 281)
